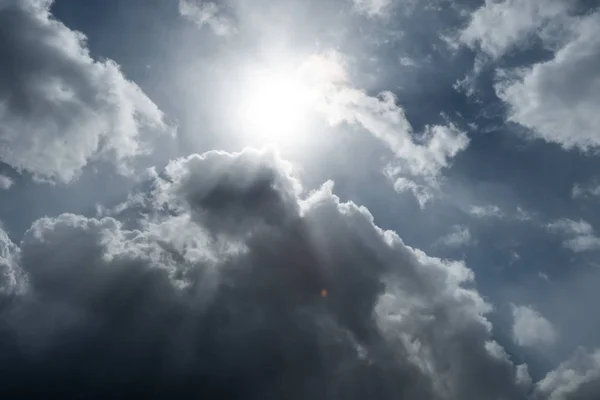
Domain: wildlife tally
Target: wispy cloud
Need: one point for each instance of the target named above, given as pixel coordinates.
(419, 157)
(581, 191)
(459, 236)
(486, 211)
(206, 13)
(373, 8)
(580, 235)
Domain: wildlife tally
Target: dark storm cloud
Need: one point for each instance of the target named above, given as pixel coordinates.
(234, 192)
(190, 305)
(59, 107)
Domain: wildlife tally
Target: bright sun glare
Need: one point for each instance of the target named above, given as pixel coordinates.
(275, 106)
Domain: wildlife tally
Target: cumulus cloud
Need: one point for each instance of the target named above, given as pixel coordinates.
(532, 329)
(500, 26)
(10, 276)
(305, 298)
(555, 99)
(60, 108)
(577, 378)
(558, 99)
(419, 157)
(5, 182)
(580, 235)
(206, 13)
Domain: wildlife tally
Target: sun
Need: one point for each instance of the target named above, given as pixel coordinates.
(275, 106)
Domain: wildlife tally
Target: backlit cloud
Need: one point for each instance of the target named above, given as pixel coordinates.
(185, 287)
(60, 108)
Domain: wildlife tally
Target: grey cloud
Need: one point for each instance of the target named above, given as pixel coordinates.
(459, 235)
(485, 211)
(5, 182)
(575, 379)
(60, 108)
(580, 191)
(234, 190)
(187, 305)
(523, 376)
(580, 235)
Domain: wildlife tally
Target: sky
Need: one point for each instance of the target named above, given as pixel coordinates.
(300, 199)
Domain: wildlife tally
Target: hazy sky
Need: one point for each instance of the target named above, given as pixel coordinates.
(300, 199)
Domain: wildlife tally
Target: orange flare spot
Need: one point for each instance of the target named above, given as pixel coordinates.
(324, 293)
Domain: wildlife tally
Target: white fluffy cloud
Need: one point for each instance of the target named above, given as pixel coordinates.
(59, 107)
(558, 99)
(207, 13)
(499, 26)
(555, 99)
(419, 157)
(531, 329)
(580, 235)
(217, 274)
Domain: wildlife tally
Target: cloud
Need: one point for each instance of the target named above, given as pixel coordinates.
(61, 109)
(232, 192)
(577, 378)
(207, 13)
(557, 99)
(531, 329)
(419, 158)
(572, 227)
(500, 26)
(486, 211)
(458, 237)
(5, 182)
(581, 235)
(373, 8)
(585, 191)
(168, 297)
(524, 215)
(10, 275)
(422, 192)
(407, 62)
(523, 377)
